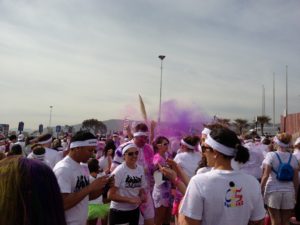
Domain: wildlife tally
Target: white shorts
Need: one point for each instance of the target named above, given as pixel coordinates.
(280, 200)
(147, 209)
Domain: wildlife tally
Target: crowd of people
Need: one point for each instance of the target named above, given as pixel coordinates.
(213, 178)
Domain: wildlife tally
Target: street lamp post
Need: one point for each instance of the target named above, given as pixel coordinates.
(161, 57)
(50, 117)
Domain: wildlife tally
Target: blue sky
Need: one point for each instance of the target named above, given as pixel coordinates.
(91, 59)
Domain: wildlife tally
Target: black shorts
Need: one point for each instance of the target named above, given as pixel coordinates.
(120, 217)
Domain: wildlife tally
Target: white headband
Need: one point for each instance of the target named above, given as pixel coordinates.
(206, 131)
(187, 145)
(248, 141)
(39, 157)
(297, 141)
(140, 133)
(281, 144)
(86, 143)
(45, 142)
(219, 147)
(128, 146)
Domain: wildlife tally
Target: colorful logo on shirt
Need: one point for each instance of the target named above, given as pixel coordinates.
(81, 182)
(233, 196)
(133, 181)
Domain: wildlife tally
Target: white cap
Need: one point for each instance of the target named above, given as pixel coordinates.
(297, 141)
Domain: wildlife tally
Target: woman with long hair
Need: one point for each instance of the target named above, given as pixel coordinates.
(223, 196)
(29, 193)
(105, 160)
(161, 191)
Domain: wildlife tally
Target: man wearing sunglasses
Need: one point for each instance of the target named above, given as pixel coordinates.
(145, 159)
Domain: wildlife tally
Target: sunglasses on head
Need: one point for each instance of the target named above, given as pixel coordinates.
(132, 153)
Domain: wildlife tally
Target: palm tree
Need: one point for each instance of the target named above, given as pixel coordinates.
(240, 125)
(262, 120)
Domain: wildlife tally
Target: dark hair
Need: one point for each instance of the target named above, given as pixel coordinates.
(159, 140)
(28, 139)
(93, 165)
(141, 127)
(192, 140)
(214, 126)
(228, 138)
(16, 149)
(266, 141)
(12, 137)
(44, 137)
(38, 149)
(33, 193)
(202, 163)
(109, 144)
(82, 136)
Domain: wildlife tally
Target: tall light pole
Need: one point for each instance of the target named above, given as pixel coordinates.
(161, 57)
(286, 90)
(263, 108)
(50, 117)
(273, 100)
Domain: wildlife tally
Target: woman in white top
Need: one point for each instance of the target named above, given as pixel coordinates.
(128, 190)
(280, 196)
(108, 154)
(161, 193)
(188, 160)
(223, 196)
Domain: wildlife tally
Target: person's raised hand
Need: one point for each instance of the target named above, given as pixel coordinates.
(99, 183)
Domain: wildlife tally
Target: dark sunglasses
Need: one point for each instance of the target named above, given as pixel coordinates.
(164, 144)
(133, 153)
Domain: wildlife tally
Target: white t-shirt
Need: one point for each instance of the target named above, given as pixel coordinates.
(188, 161)
(98, 200)
(2, 148)
(297, 154)
(253, 165)
(129, 183)
(103, 163)
(204, 169)
(221, 197)
(22, 144)
(272, 183)
(71, 178)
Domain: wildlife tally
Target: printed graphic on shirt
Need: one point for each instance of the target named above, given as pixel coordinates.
(81, 182)
(233, 196)
(133, 181)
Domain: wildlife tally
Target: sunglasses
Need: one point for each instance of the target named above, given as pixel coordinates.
(164, 144)
(133, 153)
(204, 148)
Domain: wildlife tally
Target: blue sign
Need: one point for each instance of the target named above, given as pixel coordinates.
(58, 128)
(41, 128)
(21, 126)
